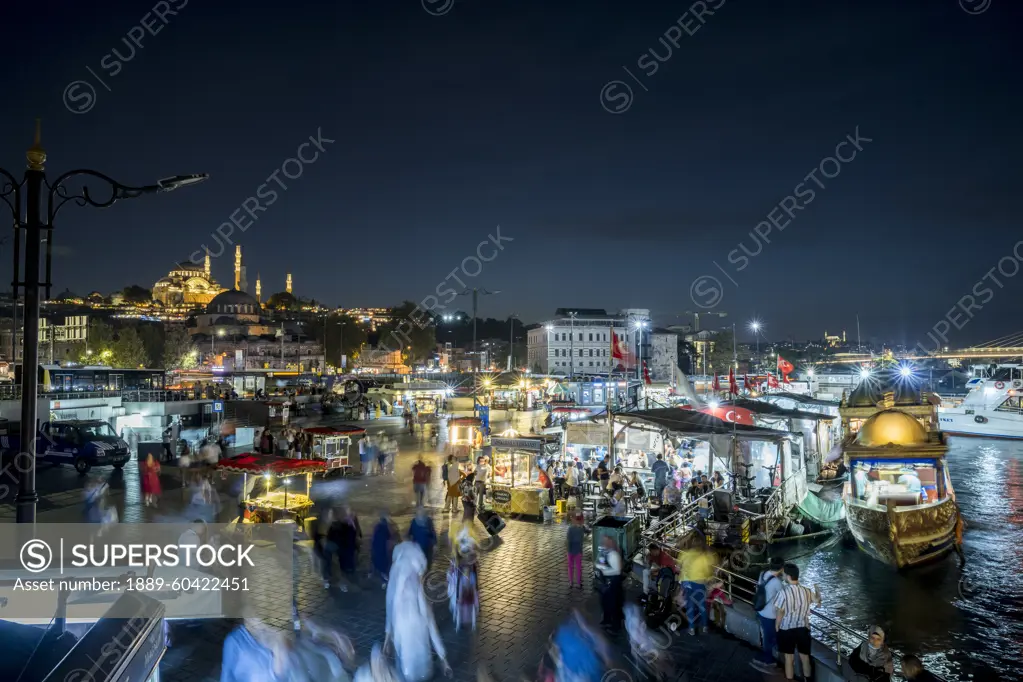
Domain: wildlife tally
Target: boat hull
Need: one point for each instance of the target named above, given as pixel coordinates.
(983, 423)
(904, 537)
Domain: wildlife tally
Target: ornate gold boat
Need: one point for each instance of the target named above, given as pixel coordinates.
(900, 504)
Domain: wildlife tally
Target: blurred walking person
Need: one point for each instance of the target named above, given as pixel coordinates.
(612, 598)
(151, 489)
(385, 537)
(697, 570)
(422, 532)
(420, 479)
(579, 652)
(576, 534)
(411, 628)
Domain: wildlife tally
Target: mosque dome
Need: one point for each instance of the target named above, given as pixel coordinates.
(233, 302)
(282, 300)
(891, 427)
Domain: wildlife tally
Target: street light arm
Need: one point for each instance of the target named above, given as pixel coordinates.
(10, 186)
(59, 194)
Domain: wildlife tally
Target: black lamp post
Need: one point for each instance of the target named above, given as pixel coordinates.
(36, 220)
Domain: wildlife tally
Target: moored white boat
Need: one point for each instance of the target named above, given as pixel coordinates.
(993, 408)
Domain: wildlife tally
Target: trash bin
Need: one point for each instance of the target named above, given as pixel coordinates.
(624, 529)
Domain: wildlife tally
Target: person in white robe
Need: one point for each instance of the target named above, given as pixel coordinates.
(411, 628)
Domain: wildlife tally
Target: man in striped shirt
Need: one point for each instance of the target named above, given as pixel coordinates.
(792, 620)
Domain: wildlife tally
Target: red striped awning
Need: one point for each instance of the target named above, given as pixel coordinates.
(335, 430)
(255, 463)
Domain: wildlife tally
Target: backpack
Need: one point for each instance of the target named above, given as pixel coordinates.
(760, 600)
(444, 473)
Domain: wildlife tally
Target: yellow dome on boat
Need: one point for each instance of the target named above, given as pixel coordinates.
(891, 427)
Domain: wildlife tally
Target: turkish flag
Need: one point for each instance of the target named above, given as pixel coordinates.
(646, 374)
(785, 379)
(731, 414)
(733, 387)
(746, 383)
(772, 381)
(784, 366)
(717, 384)
(620, 350)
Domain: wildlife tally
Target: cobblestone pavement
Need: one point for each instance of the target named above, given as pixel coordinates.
(523, 578)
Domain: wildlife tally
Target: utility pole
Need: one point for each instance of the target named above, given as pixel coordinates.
(859, 346)
(475, 292)
(511, 340)
(571, 346)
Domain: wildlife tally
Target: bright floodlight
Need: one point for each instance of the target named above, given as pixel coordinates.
(905, 371)
(809, 373)
(549, 327)
(864, 373)
(714, 404)
(755, 325)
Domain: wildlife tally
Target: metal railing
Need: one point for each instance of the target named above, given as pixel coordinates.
(828, 631)
(678, 524)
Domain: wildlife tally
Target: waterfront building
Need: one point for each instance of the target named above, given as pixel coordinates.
(187, 284)
(577, 341)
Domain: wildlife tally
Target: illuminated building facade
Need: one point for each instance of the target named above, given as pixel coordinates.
(187, 284)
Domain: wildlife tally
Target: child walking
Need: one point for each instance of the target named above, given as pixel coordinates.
(575, 551)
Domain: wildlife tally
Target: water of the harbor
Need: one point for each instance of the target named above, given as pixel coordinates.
(965, 623)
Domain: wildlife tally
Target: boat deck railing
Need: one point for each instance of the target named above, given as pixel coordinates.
(835, 635)
(678, 524)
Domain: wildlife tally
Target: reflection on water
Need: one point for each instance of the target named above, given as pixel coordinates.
(965, 623)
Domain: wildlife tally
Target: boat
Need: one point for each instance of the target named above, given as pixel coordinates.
(993, 408)
(900, 503)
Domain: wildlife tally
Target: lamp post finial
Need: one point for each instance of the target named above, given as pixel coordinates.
(36, 155)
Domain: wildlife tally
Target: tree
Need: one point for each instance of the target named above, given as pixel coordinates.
(340, 329)
(153, 336)
(129, 351)
(178, 350)
(137, 294)
(404, 331)
(722, 355)
(100, 344)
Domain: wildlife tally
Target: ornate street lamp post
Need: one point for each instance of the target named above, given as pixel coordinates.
(36, 220)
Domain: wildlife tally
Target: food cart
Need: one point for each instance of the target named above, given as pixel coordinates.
(332, 445)
(280, 499)
(465, 436)
(515, 475)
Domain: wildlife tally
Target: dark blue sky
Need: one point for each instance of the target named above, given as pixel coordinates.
(447, 126)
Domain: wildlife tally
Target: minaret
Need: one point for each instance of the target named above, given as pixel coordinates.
(238, 267)
(843, 337)
(206, 267)
(259, 290)
(287, 287)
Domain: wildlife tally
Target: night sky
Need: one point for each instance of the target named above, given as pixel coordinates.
(446, 126)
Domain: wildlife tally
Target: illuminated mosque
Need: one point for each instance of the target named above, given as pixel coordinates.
(187, 284)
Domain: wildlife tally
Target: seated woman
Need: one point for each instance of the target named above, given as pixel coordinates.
(872, 661)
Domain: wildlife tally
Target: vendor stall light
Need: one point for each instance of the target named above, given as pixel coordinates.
(287, 481)
(268, 477)
(864, 373)
(905, 371)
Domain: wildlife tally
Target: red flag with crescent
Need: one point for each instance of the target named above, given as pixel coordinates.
(772, 381)
(745, 382)
(646, 374)
(717, 384)
(784, 366)
(620, 350)
(733, 387)
(731, 414)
